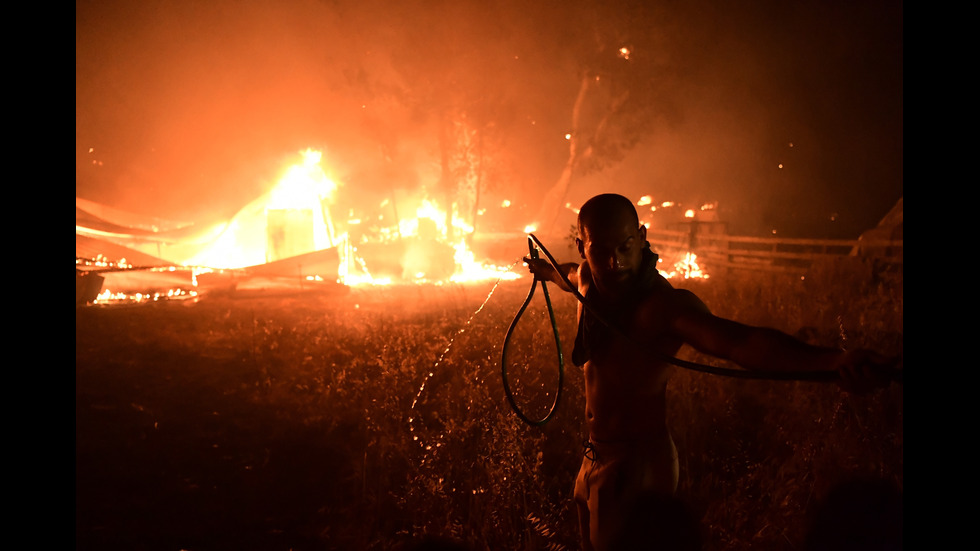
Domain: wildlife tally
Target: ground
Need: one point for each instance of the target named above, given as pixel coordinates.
(371, 418)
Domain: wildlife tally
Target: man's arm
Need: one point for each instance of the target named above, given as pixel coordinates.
(767, 349)
(544, 271)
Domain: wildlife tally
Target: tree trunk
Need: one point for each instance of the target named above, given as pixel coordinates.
(554, 199)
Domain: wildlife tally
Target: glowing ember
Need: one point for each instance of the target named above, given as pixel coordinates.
(107, 296)
(101, 261)
(125, 284)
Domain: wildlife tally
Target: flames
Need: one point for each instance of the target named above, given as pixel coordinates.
(431, 236)
(685, 268)
(303, 193)
(686, 265)
(428, 247)
(307, 186)
(433, 246)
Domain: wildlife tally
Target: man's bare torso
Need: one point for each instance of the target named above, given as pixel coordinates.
(625, 381)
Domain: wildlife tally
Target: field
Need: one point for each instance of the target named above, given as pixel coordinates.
(376, 418)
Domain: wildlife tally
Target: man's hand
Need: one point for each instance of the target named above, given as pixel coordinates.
(541, 269)
(863, 371)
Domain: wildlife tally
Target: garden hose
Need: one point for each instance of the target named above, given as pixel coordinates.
(510, 332)
(896, 374)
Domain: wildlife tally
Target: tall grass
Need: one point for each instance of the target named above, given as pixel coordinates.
(370, 419)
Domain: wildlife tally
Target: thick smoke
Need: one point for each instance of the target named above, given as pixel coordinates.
(789, 116)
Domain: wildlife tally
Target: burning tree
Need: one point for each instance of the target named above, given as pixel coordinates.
(479, 90)
(474, 85)
(617, 102)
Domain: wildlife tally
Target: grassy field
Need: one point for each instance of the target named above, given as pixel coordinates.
(373, 418)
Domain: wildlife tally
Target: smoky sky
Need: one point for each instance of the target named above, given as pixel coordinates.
(787, 114)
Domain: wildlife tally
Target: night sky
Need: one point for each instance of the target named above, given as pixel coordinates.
(787, 114)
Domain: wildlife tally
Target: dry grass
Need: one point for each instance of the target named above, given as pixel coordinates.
(288, 422)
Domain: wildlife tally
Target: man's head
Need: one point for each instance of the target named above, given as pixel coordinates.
(612, 240)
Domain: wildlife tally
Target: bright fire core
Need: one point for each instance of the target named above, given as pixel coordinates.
(306, 189)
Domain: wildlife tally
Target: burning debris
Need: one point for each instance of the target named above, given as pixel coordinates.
(293, 238)
(289, 239)
(290, 236)
(685, 268)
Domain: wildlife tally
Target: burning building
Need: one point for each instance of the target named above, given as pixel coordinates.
(287, 236)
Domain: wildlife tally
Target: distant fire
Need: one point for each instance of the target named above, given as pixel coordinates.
(306, 188)
(427, 235)
(685, 268)
(298, 218)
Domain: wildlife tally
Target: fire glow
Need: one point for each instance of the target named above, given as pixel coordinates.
(298, 218)
(685, 268)
(305, 187)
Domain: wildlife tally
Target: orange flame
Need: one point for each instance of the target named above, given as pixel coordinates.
(305, 188)
(686, 268)
(244, 240)
(428, 233)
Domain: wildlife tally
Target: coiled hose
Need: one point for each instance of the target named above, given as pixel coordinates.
(503, 356)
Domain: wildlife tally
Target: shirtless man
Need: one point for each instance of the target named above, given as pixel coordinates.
(631, 455)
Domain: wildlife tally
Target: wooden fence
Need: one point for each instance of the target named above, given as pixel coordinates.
(718, 253)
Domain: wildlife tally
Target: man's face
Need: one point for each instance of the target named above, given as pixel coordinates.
(614, 249)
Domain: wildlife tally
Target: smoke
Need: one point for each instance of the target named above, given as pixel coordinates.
(188, 110)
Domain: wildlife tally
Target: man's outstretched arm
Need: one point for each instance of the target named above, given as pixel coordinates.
(768, 349)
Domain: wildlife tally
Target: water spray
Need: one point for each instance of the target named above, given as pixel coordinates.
(449, 345)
